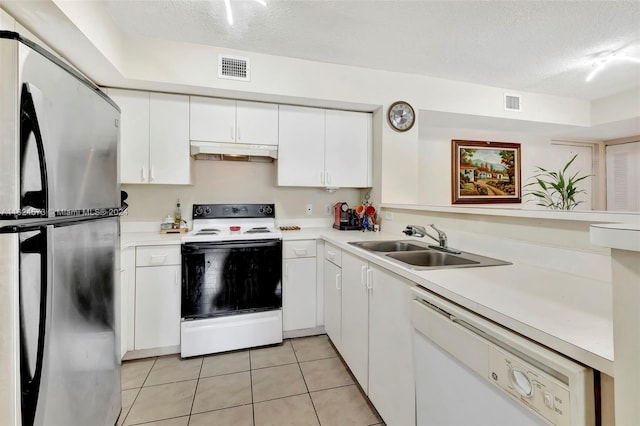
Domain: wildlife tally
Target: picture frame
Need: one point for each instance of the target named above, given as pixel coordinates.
(485, 172)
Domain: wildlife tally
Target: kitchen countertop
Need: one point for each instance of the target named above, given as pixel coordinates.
(565, 312)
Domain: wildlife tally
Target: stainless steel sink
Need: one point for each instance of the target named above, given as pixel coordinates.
(419, 256)
(389, 246)
(431, 258)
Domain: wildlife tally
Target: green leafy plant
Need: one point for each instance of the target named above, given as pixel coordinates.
(555, 190)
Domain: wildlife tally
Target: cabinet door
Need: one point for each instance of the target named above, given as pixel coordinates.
(391, 374)
(127, 299)
(348, 149)
(134, 134)
(299, 293)
(157, 307)
(301, 146)
(333, 302)
(212, 119)
(169, 155)
(355, 317)
(256, 123)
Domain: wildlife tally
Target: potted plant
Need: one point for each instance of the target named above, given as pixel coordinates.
(555, 190)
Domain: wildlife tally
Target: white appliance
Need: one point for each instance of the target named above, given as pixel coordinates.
(231, 279)
(470, 371)
(59, 243)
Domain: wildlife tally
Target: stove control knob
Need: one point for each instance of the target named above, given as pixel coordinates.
(198, 211)
(269, 210)
(207, 210)
(261, 210)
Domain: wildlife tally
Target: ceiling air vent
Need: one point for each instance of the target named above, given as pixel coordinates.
(234, 67)
(512, 102)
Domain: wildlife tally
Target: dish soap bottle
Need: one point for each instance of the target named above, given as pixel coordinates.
(177, 217)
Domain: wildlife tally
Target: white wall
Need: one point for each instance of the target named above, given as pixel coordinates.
(232, 182)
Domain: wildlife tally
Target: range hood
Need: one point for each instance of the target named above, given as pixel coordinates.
(233, 151)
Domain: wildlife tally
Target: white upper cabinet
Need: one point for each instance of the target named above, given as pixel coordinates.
(324, 148)
(301, 147)
(169, 156)
(230, 121)
(348, 149)
(154, 137)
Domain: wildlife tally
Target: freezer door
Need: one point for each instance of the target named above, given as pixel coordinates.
(58, 139)
(81, 368)
(79, 133)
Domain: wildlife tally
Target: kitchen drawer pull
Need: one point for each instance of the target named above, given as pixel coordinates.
(300, 252)
(338, 281)
(143, 175)
(157, 259)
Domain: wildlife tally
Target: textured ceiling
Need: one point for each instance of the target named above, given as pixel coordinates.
(536, 46)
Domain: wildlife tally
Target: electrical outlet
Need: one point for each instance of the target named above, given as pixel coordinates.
(388, 215)
(309, 209)
(327, 209)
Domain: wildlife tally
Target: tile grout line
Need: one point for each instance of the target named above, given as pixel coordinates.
(305, 383)
(124, 420)
(253, 407)
(196, 391)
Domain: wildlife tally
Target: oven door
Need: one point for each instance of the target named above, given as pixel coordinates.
(231, 277)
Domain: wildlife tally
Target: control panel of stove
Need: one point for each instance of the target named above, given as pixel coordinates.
(231, 211)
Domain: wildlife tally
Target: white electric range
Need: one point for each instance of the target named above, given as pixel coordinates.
(231, 279)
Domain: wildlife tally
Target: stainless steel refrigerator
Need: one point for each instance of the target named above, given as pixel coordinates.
(59, 243)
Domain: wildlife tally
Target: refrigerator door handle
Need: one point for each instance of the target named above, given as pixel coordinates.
(29, 125)
(30, 380)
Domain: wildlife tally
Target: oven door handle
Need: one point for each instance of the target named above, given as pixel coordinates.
(229, 244)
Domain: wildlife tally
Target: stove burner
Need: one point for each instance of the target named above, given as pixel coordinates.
(258, 230)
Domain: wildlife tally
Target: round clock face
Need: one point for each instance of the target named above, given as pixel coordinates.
(401, 116)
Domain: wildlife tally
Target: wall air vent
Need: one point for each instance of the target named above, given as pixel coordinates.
(512, 102)
(234, 68)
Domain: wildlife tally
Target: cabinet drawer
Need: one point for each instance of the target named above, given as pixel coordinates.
(158, 255)
(333, 254)
(303, 248)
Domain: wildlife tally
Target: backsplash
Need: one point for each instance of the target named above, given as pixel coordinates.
(232, 182)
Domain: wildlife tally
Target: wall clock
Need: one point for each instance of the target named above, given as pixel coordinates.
(401, 116)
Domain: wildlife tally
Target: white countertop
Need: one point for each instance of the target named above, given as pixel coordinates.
(622, 236)
(568, 313)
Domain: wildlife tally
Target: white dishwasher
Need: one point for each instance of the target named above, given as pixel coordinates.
(470, 371)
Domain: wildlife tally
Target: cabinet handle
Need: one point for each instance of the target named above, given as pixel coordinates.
(143, 175)
(286, 269)
(331, 255)
(151, 178)
(338, 279)
(370, 279)
(328, 179)
(322, 177)
(239, 134)
(158, 259)
(300, 252)
(232, 135)
(175, 277)
(363, 276)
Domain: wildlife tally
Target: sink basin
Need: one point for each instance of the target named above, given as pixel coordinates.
(419, 256)
(434, 259)
(389, 246)
(431, 258)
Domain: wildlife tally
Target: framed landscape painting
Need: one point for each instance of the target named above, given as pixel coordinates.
(485, 172)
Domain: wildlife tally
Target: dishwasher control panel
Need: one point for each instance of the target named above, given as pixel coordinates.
(539, 391)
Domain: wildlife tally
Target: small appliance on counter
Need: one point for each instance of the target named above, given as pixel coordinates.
(345, 219)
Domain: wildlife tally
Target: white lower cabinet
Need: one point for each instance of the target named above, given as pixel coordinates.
(157, 297)
(391, 374)
(376, 339)
(332, 289)
(299, 292)
(355, 317)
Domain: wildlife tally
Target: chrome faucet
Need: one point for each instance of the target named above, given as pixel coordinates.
(420, 232)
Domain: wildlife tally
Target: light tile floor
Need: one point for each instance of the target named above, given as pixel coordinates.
(300, 382)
